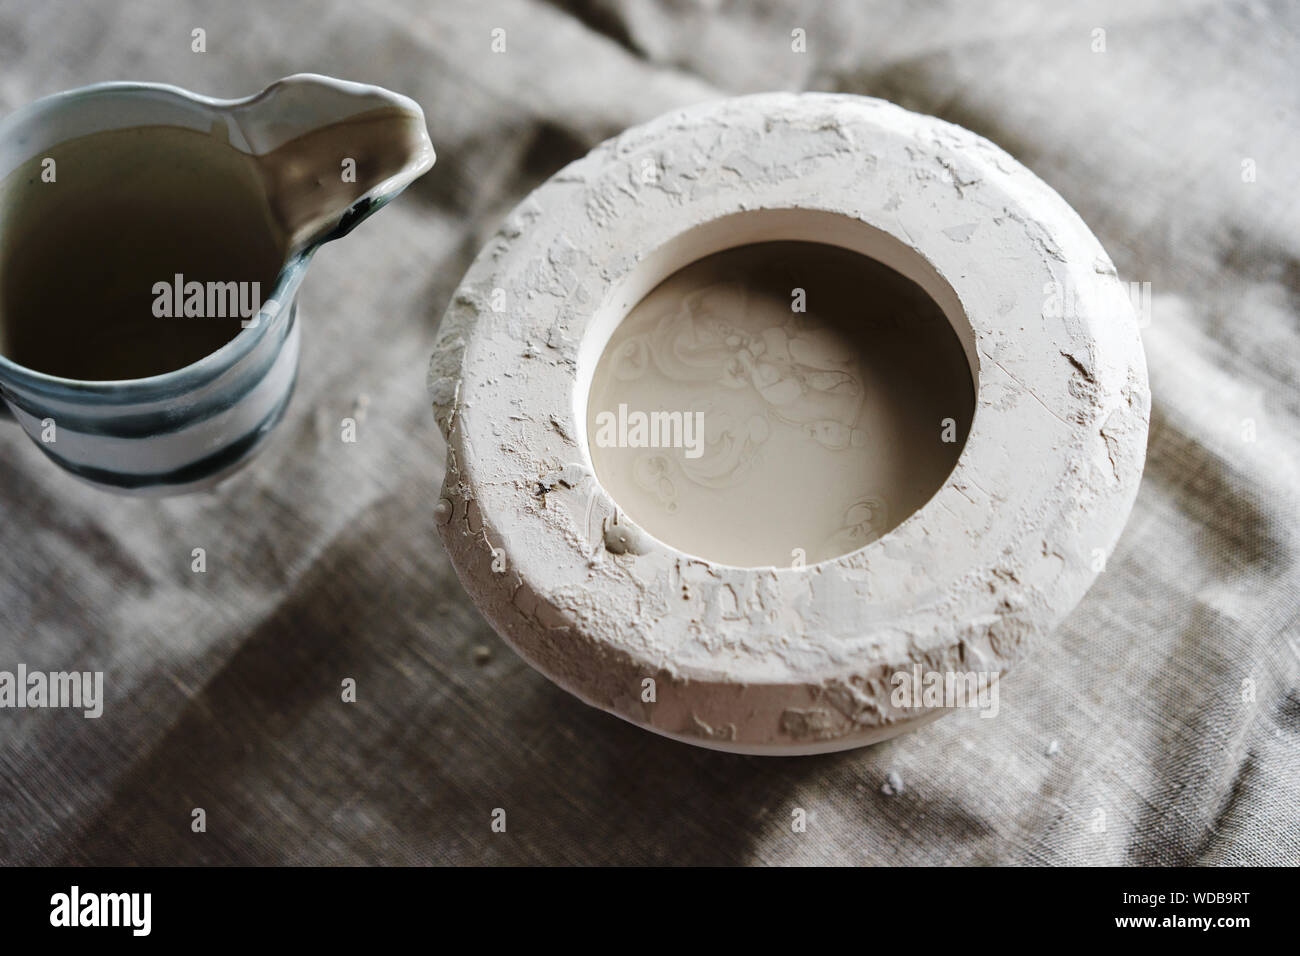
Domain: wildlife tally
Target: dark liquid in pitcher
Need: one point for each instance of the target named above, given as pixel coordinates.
(80, 256)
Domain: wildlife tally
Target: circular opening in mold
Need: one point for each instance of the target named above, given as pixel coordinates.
(777, 388)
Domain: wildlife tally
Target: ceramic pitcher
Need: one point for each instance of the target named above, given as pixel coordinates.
(186, 429)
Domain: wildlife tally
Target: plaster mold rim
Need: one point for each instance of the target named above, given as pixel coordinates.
(787, 660)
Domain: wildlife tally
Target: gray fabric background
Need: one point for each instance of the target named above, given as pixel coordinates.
(223, 688)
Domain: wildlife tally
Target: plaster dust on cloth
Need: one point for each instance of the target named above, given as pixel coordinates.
(1159, 725)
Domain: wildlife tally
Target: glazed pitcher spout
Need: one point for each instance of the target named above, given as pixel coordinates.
(330, 152)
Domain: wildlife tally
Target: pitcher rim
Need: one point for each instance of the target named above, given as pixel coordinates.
(211, 366)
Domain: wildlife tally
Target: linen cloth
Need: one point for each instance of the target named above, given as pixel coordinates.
(1159, 725)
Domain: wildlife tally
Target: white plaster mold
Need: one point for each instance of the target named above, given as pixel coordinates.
(788, 660)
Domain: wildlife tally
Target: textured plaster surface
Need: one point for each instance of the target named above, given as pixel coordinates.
(788, 660)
